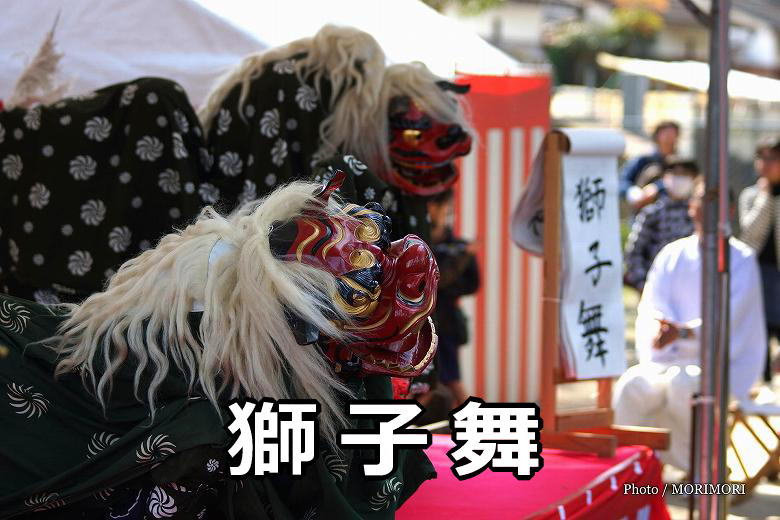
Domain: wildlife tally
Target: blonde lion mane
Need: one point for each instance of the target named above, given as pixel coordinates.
(361, 90)
(244, 346)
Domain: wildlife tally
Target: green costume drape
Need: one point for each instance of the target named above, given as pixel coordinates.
(62, 454)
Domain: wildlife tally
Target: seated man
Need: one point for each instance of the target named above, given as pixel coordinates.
(657, 391)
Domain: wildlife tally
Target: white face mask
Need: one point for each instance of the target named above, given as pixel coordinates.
(678, 186)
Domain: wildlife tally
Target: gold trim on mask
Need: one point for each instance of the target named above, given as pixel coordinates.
(370, 358)
(412, 300)
(361, 311)
(352, 283)
(411, 136)
(335, 240)
(416, 318)
(373, 325)
(366, 302)
(362, 259)
(361, 211)
(431, 348)
(368, 231)
(308, 240)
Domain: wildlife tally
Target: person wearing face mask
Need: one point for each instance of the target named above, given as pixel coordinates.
(759, 220)
(661, 222)
(640, 182)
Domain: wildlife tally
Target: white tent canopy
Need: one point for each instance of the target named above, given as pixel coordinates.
(194, 41)
(107, 41)
(407, 30)
(694, 75)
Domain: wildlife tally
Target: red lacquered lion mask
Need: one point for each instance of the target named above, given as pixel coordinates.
(422, 149)
(388, 289)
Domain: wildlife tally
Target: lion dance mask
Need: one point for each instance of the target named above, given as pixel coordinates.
(388, 289)
(422, 148)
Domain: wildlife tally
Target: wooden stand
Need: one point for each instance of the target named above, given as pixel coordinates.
(589, 429)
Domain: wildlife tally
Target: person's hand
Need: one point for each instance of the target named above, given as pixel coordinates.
(764, 184)
(646, 196)
(650, 193)
(667, 332)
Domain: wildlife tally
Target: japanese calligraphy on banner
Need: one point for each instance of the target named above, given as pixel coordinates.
(592, 315)
(592, 324)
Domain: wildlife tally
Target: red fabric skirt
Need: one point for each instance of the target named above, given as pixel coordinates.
(570, 485)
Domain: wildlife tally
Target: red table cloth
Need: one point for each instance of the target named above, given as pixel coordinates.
(571, 485)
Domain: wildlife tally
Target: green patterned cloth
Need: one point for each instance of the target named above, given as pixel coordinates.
(61, 453)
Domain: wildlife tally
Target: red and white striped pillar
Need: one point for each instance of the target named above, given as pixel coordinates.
(511, 116)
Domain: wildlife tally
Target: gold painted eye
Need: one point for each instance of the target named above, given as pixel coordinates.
(362, 302)
(411, 137)
(361, 259)
(368, 231)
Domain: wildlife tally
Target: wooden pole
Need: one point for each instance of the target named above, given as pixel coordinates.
(551, 295)
(711, 408)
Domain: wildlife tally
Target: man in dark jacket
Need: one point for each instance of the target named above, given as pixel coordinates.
(640, 181)
(459, 277)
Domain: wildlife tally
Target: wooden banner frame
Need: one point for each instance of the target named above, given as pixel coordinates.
(588, 429)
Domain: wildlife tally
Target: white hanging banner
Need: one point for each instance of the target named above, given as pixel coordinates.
(592, 314)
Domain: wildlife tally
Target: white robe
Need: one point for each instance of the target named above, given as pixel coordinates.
(657, 391)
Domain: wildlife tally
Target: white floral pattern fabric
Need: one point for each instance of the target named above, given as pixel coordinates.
(13, 316)
(279, 152)
(109, 174)
(12, 167)
(161, 505)
(269, 123)
(119, 239)
(306, 97)
(27, 401)
(80, 263)
(93, 212)
(39, 196)
(149, 148)
(99, 442)
(98, 128)
(231, 164)
(154, 448)
(32, 119)
(169, 181)
(82, 167)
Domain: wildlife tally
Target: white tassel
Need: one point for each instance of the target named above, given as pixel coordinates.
(37, 81)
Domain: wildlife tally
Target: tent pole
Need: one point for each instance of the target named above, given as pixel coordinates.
(712, 406)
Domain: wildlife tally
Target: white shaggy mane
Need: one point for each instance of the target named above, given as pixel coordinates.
(362, 87)
(244, 346)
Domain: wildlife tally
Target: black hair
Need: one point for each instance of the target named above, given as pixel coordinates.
(663, 125)
(689, 165)
(768, 144)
